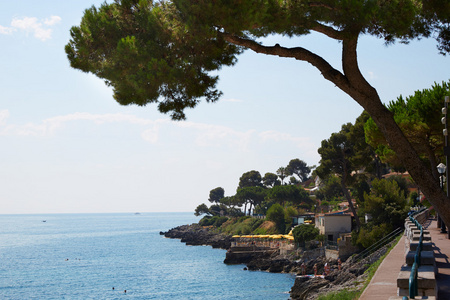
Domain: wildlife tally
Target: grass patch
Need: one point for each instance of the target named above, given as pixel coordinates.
(341, 295)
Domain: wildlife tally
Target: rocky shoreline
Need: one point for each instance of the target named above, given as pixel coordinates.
(196, 235)
(351, 275)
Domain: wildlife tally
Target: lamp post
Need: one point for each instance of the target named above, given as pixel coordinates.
(441, 169)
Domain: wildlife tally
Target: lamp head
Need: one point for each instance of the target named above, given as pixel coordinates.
(441, 168)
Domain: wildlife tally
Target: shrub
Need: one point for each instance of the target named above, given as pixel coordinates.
(340, 295)
(368, 237)
(205, 221)
(243, 218)
(256, 223)
(219, 221)
(304, 233)
(267, 227)
(276, 214)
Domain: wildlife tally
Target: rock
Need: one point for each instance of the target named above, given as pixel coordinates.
(352, 272)
(196, 235)
(247, 257)
(304, 285)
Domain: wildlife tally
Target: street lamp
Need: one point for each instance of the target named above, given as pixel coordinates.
(441, 169)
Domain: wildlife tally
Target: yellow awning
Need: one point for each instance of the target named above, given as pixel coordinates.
(276, 236)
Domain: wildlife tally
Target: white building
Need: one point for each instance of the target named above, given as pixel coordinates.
(333, 224)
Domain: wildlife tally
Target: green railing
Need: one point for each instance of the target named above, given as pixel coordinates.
(413, 284)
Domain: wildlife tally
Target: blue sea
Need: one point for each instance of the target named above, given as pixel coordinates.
(83, 256)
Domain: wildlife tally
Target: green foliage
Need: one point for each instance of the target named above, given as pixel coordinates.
(288, 193)
(243, 218)
(253, 195)
(402, 183)
(276, 215)
(293, 181)
(369, 236)
(241, 225)
(304, 233)
(282, 173)
(270, 180)
(168, 52)
(386, 203)
(387, 206)
(340, 295)
(289, 213)
(250, 179)
(325, 203)
(299, 168)
(216, 195)
(345, 152)
(215, 221)
(331, 190)
(419, 117)
(256, 223)
(261, 231)
(127, 43)
(413, 199)
(359, 189)
(202, 209)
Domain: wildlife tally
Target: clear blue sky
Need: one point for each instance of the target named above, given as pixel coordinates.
(68, 147)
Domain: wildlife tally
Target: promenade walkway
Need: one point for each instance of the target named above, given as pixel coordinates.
(384, 283)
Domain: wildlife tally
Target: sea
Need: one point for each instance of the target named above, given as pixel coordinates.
(120, 256)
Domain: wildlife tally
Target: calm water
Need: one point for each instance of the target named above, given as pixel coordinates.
(83, 256)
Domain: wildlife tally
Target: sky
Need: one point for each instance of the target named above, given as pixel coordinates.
(67, 146)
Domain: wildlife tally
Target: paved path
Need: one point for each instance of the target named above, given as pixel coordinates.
(384, 283)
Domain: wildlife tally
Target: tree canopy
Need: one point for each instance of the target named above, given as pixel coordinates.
(250, 179)
(165, 51)
(305, 233)
(344, 154)
(419, 116)
(215, 195)
(270, 180)
(288, 193)
(252, 195)
(298, 167)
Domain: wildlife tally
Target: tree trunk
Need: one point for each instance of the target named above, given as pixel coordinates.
(433, 162)
(421, 174)
(355, 85)
(350, 204)
(352, 82)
